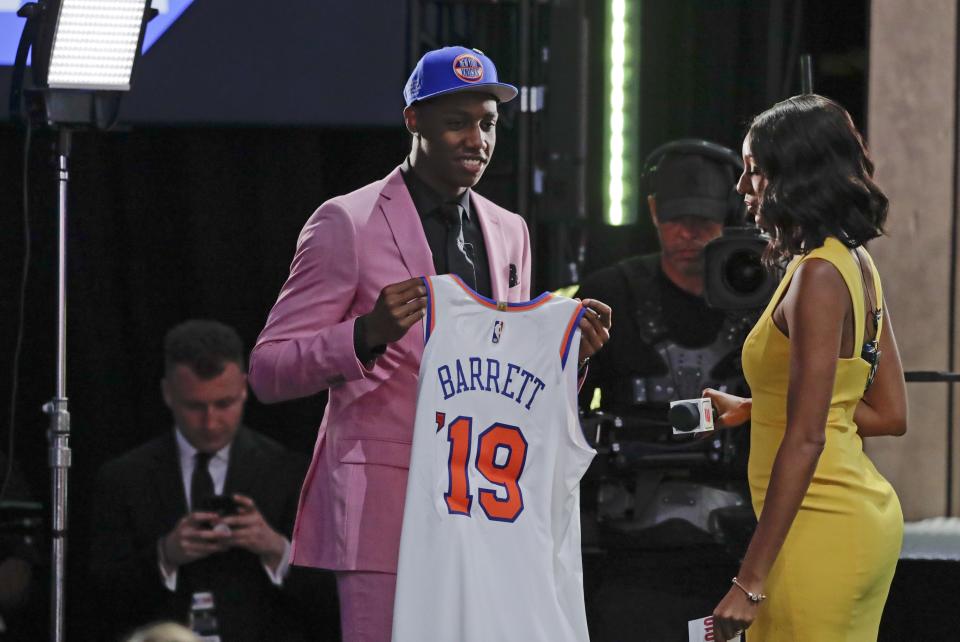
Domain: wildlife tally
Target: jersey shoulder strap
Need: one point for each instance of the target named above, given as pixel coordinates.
(570, 330)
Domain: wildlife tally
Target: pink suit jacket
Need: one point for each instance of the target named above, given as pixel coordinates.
(351, 504)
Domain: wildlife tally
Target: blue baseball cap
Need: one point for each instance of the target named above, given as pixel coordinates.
(451, 69)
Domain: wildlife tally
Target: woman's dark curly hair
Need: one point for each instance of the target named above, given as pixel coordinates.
(819, 177)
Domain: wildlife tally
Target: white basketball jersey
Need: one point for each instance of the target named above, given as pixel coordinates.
(490, 548)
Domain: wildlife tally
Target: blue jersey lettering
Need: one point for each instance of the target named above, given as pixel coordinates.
(461, 379)
(446, 383)
(506, 383)
(493, 375)
(454, 380)
(476, 365)
(539, 386)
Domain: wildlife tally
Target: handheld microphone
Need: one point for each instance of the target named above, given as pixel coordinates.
(689, 416)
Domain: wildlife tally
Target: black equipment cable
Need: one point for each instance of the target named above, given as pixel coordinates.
(18, 342)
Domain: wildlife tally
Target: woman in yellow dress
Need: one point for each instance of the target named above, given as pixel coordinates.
(829, 530)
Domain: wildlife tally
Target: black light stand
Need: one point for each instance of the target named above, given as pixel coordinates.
(64, 110)
(56, 408)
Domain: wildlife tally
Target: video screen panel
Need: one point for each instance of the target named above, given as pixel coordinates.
(296, 62)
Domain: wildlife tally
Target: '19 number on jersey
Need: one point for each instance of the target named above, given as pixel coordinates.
(505, 475)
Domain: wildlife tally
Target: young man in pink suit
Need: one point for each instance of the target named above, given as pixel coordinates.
(342, 321)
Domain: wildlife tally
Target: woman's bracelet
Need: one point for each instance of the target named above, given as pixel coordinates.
(756, 598)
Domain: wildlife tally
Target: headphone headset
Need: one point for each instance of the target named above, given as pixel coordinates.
(699, 147)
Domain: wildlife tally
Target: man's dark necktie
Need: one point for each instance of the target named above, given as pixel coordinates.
(459, 253)
(201, 482)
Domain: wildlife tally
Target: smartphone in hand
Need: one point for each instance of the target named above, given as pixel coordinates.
(222, 505)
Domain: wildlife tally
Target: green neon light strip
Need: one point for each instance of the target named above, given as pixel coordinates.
(617, 103)
(621, 112)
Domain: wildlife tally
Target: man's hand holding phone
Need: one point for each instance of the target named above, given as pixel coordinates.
(251, 531)
(194, 537)
(220, 523)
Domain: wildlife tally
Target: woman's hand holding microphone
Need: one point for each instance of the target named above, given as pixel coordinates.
(731, 410)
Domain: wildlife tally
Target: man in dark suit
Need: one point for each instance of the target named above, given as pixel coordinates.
(160, 540)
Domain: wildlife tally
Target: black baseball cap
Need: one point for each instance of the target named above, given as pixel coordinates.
(692, 185)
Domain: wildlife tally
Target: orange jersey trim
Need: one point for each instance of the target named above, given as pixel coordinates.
(568, 335)
(494, 305)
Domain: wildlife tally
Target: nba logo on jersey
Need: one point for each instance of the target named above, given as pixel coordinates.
(497, 330)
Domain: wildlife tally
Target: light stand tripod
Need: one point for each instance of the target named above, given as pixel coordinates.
(83, 59)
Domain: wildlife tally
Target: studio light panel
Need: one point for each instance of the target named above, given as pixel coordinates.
(95, 43)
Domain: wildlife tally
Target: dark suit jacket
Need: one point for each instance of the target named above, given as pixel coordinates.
(140, 497)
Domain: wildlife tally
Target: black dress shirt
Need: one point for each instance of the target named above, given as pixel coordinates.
(428, 203)
(435, 227)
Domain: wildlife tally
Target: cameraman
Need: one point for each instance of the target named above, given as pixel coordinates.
(672, 344)
(654, 502)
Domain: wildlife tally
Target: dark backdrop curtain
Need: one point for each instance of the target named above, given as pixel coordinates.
(165, 224)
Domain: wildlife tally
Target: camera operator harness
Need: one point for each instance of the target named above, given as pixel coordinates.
(688, 370)
(655, 490)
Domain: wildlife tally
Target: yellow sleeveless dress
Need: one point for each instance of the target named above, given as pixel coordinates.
(832, 576)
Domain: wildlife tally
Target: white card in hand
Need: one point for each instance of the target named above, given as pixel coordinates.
(702, 631)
